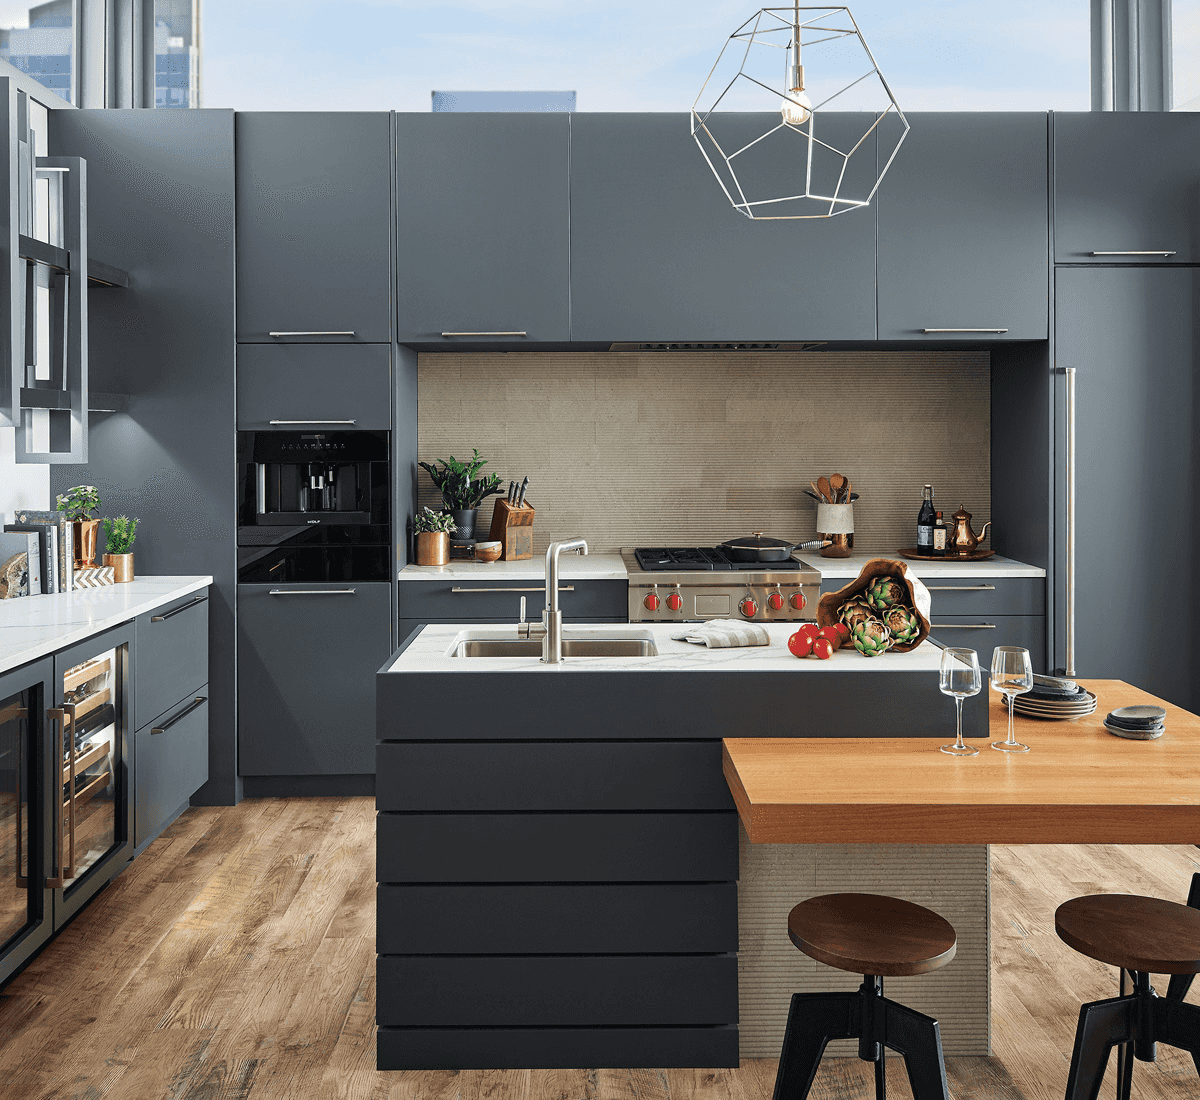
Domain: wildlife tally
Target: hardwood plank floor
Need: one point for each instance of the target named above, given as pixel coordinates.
(235, 961)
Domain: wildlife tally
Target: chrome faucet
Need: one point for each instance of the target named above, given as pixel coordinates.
(552, 616)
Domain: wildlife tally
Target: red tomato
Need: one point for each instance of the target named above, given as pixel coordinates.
(800, 643)
(811, 629)
(843, 631)
(823, 648)
(833, 634)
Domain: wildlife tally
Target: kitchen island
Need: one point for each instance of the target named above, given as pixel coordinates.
(558, 879)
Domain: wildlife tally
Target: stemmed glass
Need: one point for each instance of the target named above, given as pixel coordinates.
(1012, 674)
(960, 677)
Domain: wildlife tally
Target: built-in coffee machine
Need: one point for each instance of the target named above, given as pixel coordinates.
(313, 506)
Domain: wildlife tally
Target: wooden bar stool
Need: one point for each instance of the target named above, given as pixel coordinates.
(876, 937)
(1143, 936)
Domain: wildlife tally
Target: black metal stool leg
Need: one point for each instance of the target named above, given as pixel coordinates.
(1124, 1050)
(880, 1078)
(1182, 983)
(1178, 1025)
(919, 1039)
(813, 1019)
(1102, 1025)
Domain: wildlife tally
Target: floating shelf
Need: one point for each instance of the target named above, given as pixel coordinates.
(100, 274)
(49, 255)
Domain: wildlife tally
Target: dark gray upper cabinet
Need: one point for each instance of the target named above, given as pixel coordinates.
(313, 220)
(658, 253)
(1126, 183)
(963, 229)
(296, 386)
(483, 216)
(1131, 335)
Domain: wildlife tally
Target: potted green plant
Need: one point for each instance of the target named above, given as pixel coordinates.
(433, 536)
(119, 534)
(79, 503)
(461, 491)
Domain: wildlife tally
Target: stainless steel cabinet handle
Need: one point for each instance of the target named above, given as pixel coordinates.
(1069, 640)
(199, 701)
(177, 610)
(312, 421)
(964, 330)
(260, 488)
(350, 332)
(311, 592)
(485, 334)
(539, 588)
(962, 626)
(961, 587)
(1145, 252)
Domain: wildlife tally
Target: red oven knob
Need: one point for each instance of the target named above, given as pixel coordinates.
(798, 601)
(748, 608)
(674, 601)
(775, 601)
(650, 603)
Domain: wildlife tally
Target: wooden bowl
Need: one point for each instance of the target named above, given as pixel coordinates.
(488, 551)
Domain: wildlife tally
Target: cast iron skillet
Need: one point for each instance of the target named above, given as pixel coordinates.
(757, 548)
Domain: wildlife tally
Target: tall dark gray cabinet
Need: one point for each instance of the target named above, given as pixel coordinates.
(161, 207)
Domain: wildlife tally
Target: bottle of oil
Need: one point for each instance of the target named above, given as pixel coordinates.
(925, 521)
(940, 534)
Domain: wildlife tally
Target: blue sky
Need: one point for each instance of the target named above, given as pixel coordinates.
(618, 55)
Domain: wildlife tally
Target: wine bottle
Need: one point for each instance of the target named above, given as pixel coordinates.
(925, 521)
(939, 536)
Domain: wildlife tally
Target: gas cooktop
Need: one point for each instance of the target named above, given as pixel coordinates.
(700, 559)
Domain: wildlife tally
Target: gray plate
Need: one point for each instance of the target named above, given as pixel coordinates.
(1135, 735)
(1139, 716)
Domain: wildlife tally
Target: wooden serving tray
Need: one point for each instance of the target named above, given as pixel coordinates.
(913, 554)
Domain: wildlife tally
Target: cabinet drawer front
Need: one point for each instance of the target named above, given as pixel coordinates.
(344, 386)
(170, 766)
(557, 847)
(172, 655)
(556, 1047)
(662, 918)
(307, 656)
(985, 595)
(983, 633)
(475, 601)
(578, 775)
(566, 991)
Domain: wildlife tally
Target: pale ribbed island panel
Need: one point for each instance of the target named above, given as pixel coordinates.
(34, 626)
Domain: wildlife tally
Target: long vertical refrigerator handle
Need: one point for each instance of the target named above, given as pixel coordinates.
(1069, 373)
(64, 869)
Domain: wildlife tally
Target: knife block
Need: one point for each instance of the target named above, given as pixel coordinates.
(512, 527)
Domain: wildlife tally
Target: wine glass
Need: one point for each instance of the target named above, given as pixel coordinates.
(1012, 674)
(960, 677)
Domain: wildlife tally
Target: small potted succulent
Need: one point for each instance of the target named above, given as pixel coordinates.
(79, 503)
(462, 492)
(433, 536)
(119, 534)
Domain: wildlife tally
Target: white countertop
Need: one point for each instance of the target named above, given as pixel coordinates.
(610, 567)
(33, 626)
(429, 652)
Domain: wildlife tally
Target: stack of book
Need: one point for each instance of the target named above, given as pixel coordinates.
(51, 549)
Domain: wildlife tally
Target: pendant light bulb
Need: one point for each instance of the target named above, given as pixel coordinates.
(796, 107)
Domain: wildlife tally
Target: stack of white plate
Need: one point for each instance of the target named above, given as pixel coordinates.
(1061, 707)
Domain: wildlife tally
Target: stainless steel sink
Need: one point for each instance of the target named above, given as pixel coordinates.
(572, 647)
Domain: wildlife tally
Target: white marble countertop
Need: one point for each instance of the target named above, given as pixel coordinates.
(571, 567)
(429, 652)
(33, 626)
(610, 567)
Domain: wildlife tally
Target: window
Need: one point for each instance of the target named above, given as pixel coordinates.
(1185, 54)
(176, 53)
(40, 41)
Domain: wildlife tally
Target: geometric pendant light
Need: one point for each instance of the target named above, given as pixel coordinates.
(791, 115)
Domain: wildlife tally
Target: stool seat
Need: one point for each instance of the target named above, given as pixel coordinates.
(872, 934)
(1148, 935)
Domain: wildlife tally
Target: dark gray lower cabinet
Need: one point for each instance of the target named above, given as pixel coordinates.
(1131, 335)
(172, 655)
(487, 601)
(983, 633)
(172, 764)
(307, 656)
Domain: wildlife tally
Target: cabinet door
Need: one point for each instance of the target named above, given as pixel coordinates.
(483, 221)
(172, 655)
(983, 633)
(1126, 184)
(307, 657)
(658, 253)
(297, 386)
(172, 764)
(313, 225)
(963, 230)
(1131, 335)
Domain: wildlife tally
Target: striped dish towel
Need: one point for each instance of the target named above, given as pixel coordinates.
(724, 634)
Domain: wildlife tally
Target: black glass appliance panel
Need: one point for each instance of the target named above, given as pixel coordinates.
(300, 563)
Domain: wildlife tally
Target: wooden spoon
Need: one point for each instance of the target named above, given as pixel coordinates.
(846, 489)
(817, 491)
(824, 488)
(836, 482)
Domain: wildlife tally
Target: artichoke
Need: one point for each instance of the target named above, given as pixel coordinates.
(884, 592)
(871, 638)
(902, 624)
(855, 611)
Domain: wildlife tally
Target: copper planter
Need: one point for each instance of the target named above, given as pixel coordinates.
(85, 534)
(122, 566)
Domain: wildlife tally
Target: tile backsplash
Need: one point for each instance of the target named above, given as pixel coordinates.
(692, 448)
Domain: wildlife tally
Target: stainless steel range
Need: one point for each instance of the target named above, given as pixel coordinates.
(691, 584)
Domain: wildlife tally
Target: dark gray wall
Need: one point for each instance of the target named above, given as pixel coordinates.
(161, 206)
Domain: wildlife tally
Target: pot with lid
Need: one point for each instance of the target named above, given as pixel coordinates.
(758, 548)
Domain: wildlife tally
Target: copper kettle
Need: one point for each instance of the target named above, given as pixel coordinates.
(962, 539)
